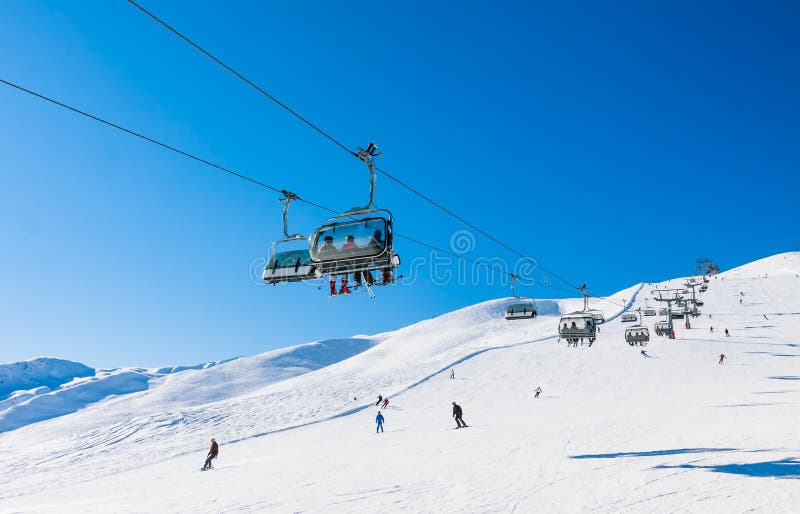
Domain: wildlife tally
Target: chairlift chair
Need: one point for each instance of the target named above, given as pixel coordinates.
(637, 336)
(524, 310)
(629, 318)
(359, 240)
(662, 328)
(649, 312)
(356, 241)
(599, 319)
(577, 326)
(289, 265)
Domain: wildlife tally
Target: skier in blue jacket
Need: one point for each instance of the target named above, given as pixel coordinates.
(379, 421)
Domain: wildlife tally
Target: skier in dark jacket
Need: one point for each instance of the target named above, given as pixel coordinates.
(721, 358)
(212, 454)
(379, 421)
(537, 392)
(457, 413)
(380, 399)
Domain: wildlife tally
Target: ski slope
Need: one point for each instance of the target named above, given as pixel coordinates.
(612, 432)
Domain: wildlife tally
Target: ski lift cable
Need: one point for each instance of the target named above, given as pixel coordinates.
(243, 78)
(494, 268)
(338, 143)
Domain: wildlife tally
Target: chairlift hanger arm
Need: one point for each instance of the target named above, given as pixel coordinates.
(367, 156)
(287, 199)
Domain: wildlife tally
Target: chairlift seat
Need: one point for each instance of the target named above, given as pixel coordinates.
(290, 266)
(577, 325)
(521, 311)
(354, 245)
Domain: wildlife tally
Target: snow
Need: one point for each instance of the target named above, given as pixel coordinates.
(612, 431)
(43, 372)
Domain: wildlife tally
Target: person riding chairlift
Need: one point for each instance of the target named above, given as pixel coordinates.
(350, 244)
(377, 244)
(328, 251)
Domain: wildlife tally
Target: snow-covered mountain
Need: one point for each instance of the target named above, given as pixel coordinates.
(614, 431)
(46, 388)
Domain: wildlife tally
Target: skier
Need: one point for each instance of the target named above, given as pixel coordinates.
(379, 421)
(727, 334)
(385, 403)
(537, 392)
(721, 358)
(712, 330)
(380, 399)
(452, 373)
(644, 353)
(457, 413)
(740, 301)
(212, 454)
(765, 317)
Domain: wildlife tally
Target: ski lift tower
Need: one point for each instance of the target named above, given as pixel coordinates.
(706, 266)
(670, 301)
(695, 312)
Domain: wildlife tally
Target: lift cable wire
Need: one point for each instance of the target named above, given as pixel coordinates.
(243, 78)
(341, 145)
(494, 268)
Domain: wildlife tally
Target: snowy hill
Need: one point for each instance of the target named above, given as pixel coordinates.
(43, 388)
(61, 387)
(614, 431)
(39, 373)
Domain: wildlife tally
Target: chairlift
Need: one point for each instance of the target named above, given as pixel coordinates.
(649, 312)
(637, 336)
(289, 265)
(577, 326)
(629, 318)
(359, 240)
(663, 328)
(524, 310)
(597, 315)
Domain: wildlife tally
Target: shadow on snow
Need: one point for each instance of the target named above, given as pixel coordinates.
(654, 453)
(786, 468)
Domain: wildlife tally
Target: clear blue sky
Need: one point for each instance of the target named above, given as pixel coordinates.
(668, 130)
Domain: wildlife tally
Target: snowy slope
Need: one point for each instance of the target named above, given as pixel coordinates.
(37, 373)
(613, 431)
(44, 388)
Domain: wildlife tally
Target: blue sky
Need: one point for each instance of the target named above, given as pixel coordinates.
(668, 131)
